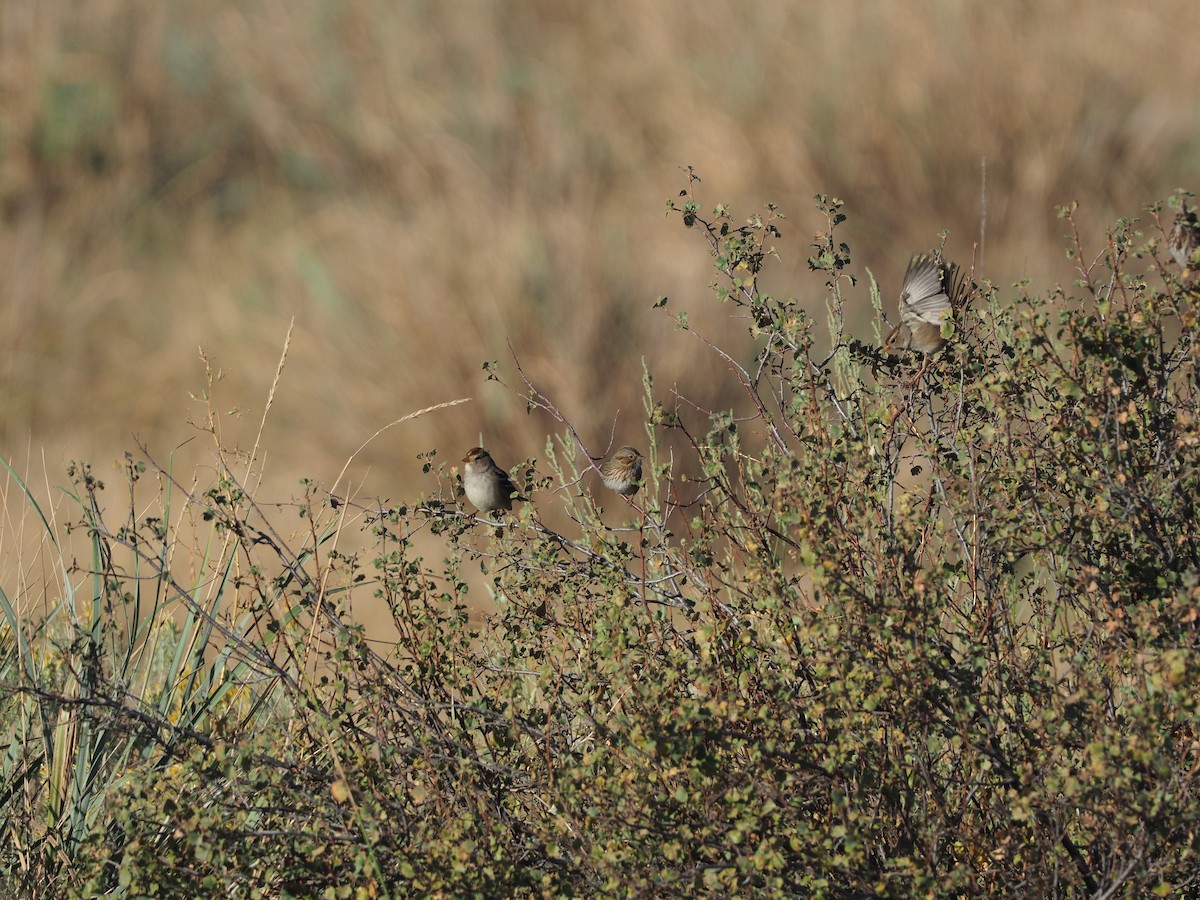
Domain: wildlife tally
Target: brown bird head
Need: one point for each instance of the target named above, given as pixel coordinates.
(932, 291)
(479, 457)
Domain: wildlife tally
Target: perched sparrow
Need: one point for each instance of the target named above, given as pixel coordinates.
(931, 290)
(487, 485)
(623, 471)
(1184, 238)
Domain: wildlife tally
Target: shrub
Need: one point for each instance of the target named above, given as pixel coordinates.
(893, 627)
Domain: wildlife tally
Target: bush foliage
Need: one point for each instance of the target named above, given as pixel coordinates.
(896, 627)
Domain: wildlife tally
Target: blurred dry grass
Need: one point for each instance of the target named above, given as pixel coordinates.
(420, 184)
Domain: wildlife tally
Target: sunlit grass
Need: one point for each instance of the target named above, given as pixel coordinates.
(422, 186)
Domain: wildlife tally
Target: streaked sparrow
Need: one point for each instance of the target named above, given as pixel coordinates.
(487, 485)
(1184, 239)
(623, 471)
(932, 289)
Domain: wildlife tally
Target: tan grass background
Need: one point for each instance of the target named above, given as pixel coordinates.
(419, 184)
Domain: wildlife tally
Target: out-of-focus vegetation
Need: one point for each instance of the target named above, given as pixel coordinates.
(420, 184)
(919, 627)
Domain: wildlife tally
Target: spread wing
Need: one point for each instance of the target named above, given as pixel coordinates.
(1185, 238)
(930, 290)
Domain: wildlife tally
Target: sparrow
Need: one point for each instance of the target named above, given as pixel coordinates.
(623, 471)
(487, 485)
(932, 289)
(1184, 239)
